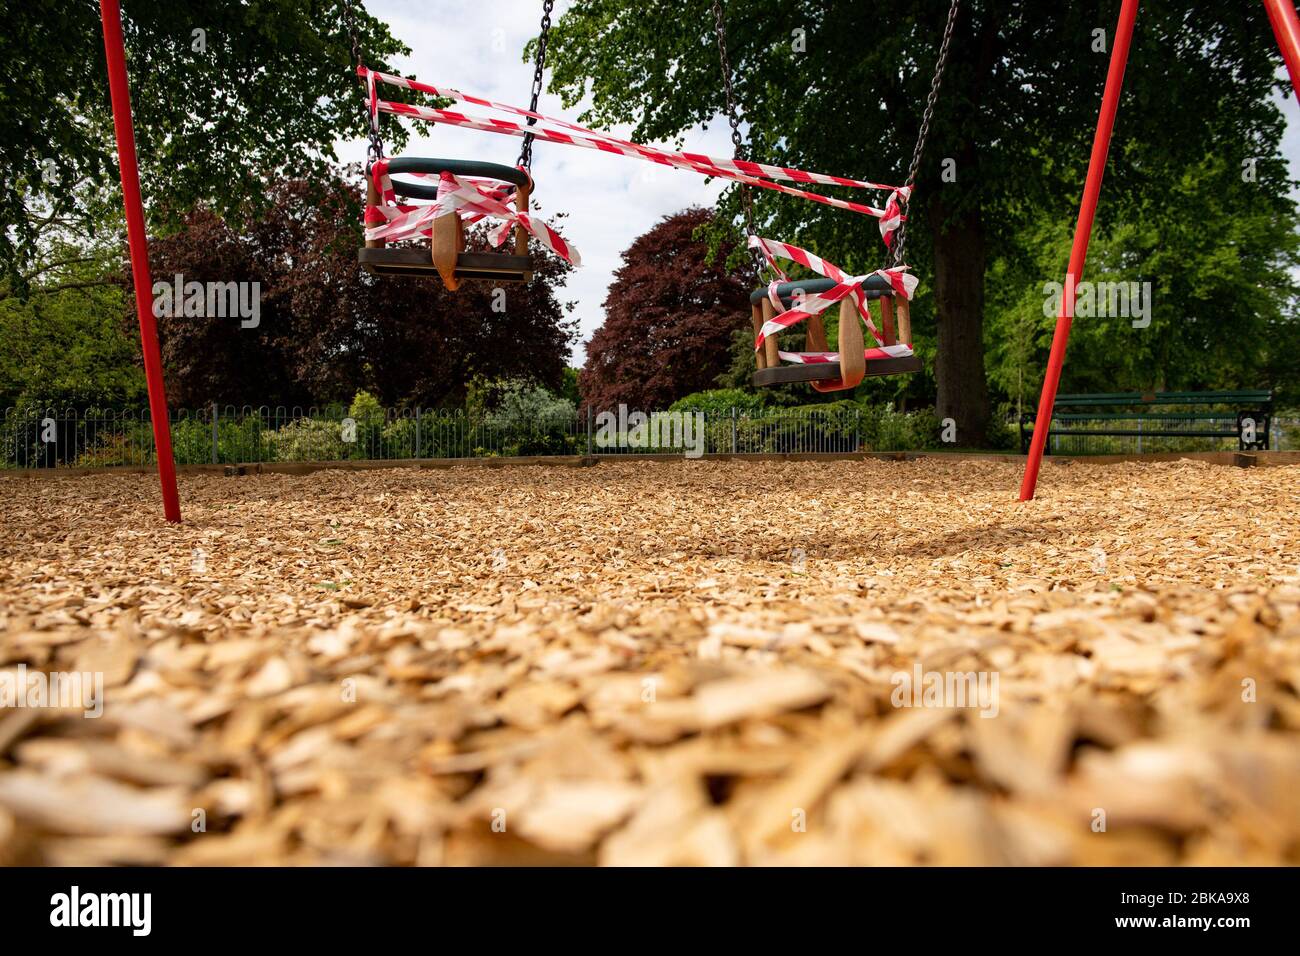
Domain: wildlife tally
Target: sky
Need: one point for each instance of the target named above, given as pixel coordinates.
(477, 47)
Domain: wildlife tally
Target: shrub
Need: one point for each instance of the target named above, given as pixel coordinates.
(370, 419)
(237, 440)
(529, 420)
(118, 448)
(432, 436)
(308, 439)
(884, 429)
(718, 402)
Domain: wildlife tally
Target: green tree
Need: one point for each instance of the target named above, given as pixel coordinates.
(224, 95)
(66, 344)
(840, 86)
(1223, 307)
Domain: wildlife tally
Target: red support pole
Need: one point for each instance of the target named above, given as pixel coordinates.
(138, 243)
(1079, 249)
(1286, 27)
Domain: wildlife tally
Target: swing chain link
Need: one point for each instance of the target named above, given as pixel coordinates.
(526, 150)
(375, 151)
(746, 199)
(900, 235)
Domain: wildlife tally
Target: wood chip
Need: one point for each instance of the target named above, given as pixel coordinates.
(658, 663)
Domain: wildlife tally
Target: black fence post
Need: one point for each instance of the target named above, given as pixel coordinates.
(588, 431)
(214, 433)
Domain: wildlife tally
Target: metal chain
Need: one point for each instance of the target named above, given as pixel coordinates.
(746, 198)
(375, 151)
(526, 150)
(900, 236)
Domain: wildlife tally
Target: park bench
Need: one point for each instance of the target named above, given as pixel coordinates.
(1130, 414)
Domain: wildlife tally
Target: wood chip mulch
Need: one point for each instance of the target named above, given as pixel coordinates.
(657, 663)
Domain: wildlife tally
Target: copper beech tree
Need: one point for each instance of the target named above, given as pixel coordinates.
(325, 328)
(669, 319)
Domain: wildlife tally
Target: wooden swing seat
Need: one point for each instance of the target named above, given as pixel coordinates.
(832, 376)
(828, 371)
(447, 258)
(469, 265)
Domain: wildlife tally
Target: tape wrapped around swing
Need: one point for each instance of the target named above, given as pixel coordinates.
(470, 198)
(555, 130)
(897, 279)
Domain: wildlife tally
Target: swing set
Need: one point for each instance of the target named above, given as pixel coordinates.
(457, 193)
(467, 192)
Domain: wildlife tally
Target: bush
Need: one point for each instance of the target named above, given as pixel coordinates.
(237, 440)
(81, 438)
(529, 420)
(831, 427)
(119, 448)
(432, 436)
(370, 418)
(522, 405)
(308, 439)
(1004, 431)
(883, 429)
(718, 402)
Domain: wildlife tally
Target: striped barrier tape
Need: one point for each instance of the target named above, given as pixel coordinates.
(471, 199)
(873, 355)
(760, 175)
(900, 280)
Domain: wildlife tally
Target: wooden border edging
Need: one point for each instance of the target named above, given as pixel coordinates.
(1262, 459)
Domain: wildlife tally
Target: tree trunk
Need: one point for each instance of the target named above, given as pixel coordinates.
(959, 254)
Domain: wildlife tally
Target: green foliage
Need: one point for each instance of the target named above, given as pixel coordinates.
(720, 401)
(369, 417)
(399, 440)
(118, 448)
(69, 346)
(1013, 122)
(264, 83)
(237, 440)
(308, 439)
(1225, 311)
(569, 386)
(529, 420)
(521, 405)
(883, 429)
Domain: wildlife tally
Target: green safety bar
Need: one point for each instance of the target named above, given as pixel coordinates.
(457, 167)
(1167, 398)
(874, 287)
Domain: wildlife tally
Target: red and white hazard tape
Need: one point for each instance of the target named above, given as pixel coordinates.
(471, 199)
(873, 355)
(751, 174)
(902, 282)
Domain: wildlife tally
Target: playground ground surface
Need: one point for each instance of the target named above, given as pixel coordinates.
(652, 662)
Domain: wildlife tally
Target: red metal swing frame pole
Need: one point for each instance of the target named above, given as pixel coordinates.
(1079, 249)
(1286, 27)
(138, 243)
